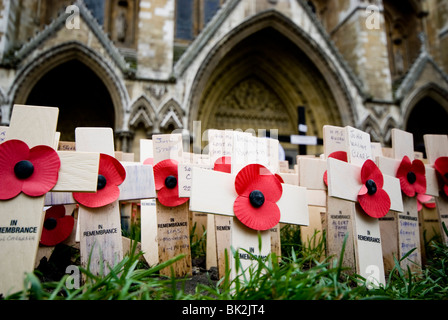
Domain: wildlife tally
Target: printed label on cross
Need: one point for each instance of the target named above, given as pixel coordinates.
(437, 154)
(371, 195)
(227, 194)
(101, 243)
(21, 218)
(165, 221)
(400, 231)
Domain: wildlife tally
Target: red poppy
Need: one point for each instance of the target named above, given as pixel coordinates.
(32, 171)
(372, 198)
(57, 226)
(339, 155)
(223, 164)
(258, 191)
(149, 161)
(279, 177)
(425, 200)
(412, 176)
(111, 174)
(165, 178)
(441, 166)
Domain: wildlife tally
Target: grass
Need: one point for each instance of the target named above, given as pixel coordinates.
(303, 273)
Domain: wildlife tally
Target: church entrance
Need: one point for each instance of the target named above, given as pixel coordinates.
(82, 98)
(427, 117)
(259, 84)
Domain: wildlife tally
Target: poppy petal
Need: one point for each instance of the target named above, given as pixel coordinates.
(424, 198)
(162, 170)
(420, 184)
(149, 161)
(445, 189)
(257, 177)
(11, 152)
(170, 197)
(339, 155)
(55, 212)
(263, 218)
(404, 168)
(419, 206)
(370, 171)
(111, 169)
(441, 166)
(101, 198)
(407, 188)
(279, 177)
(46, 164)
(376, 205)
(223, 164)
(61, 232)
(115, 174)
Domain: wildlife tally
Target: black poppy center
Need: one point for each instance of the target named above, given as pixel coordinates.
(23, 169)
(256, 198)
(101, 182)
(371, 187)
(411, 177)
(50, 223)
(171, 182)
(446, 175)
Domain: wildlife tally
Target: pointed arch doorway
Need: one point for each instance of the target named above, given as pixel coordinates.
(257, 78)
(82, 98)
(428, 116)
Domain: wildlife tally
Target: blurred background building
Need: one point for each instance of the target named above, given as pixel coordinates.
(154, 66)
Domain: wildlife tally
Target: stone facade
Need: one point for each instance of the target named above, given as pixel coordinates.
(230, 64)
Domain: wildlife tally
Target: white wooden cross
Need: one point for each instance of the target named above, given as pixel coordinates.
(437, 147)
(165, 230)
(400, 231)
(78, 172)
(214, 192)
(344, 183)
(101, 242)
(311, 172)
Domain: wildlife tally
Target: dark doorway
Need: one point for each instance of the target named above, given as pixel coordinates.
(427, 117)
(82, 98)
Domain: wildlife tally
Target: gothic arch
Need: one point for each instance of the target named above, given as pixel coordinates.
(372, 127)
(344, 112)
(142, 111)
(170, 116)
(386, 134)
(432, 90)
(29, 74)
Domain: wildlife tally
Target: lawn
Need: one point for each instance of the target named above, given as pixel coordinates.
(303, 273)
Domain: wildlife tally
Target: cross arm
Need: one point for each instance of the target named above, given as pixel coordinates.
(351, 177)
(214, 192)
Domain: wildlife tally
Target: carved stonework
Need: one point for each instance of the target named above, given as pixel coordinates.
(251, 104)
(156, 90)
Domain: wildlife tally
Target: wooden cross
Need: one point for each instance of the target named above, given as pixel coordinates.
(214, 192)
(345, 215)
(101, 242)
(437, 147)
(165, 230)
(311, 176)
(400, 230)
(36, 126)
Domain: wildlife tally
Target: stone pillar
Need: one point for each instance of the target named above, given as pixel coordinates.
(155, 39)
(358, 30)
(124, 140)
